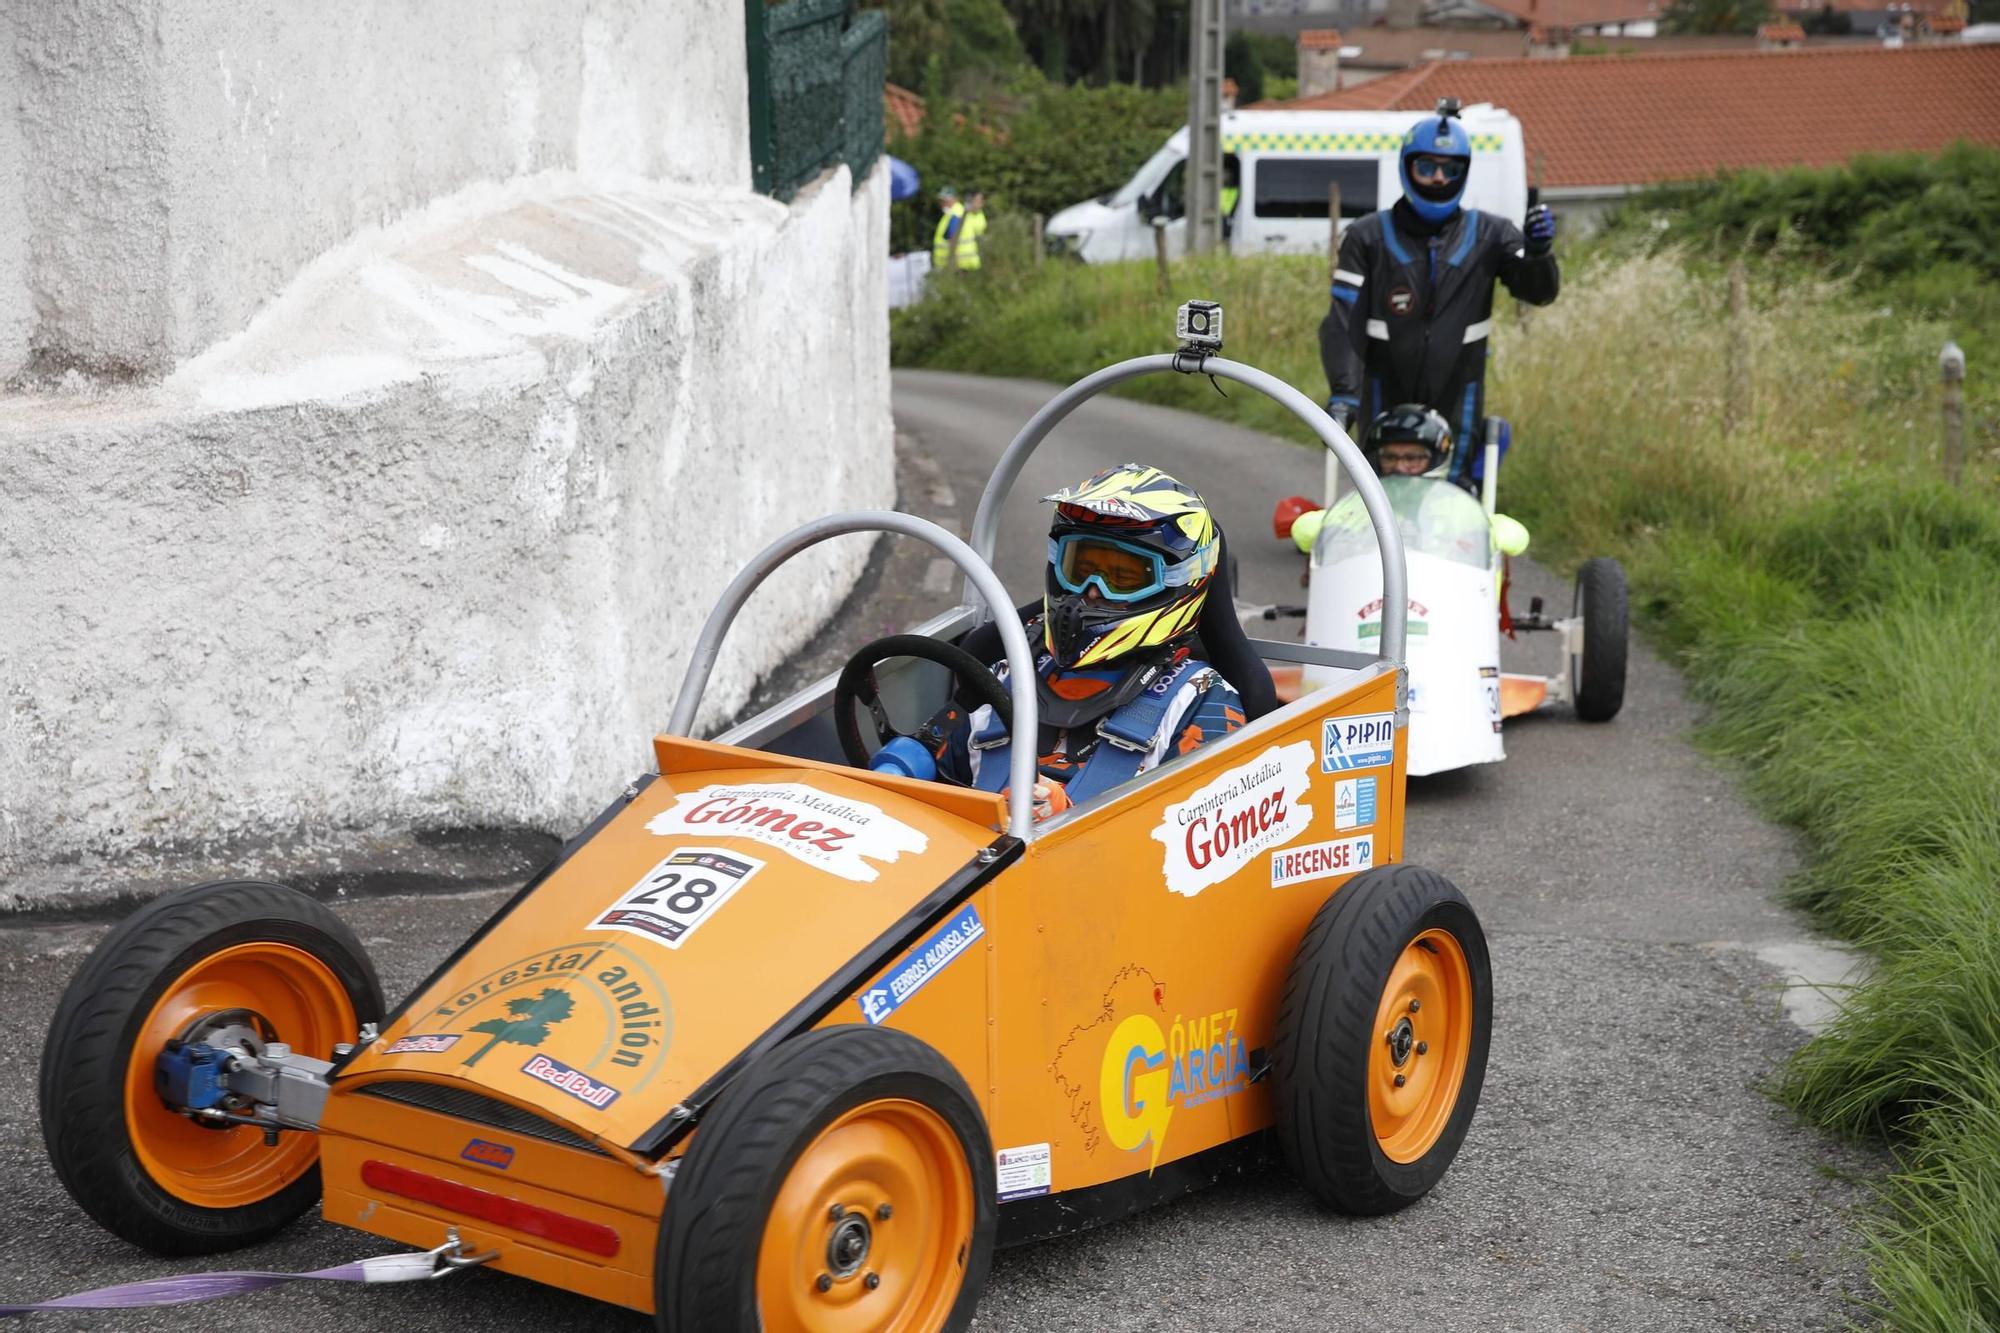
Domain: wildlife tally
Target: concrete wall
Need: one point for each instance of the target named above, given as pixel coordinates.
(386, 391)
(177, 161)
(428, 543)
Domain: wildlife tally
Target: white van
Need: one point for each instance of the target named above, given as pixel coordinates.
(1286, 161)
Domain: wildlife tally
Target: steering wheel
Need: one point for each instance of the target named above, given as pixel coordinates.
(857, 685)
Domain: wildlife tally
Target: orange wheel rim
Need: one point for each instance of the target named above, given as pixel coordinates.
(1422, 1041)
(870, 1230)
(301, 1002)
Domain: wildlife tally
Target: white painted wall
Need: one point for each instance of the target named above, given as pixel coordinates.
(183, 158)
(386, 391)
(429, 544)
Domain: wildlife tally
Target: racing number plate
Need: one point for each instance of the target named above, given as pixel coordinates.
(689, 885)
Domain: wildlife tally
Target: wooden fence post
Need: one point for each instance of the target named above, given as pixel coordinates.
(1332, 228)
(1038, 238)
(1736, 406)
(1160, 253)
(1951, 366)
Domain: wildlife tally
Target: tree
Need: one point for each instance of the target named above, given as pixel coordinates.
(974, 40)
(1242, 62)
(530, 1023)
(1685, 16)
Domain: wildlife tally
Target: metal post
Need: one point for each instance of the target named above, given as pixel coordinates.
(1736, 407)
(1333, 227)
(1203, 175)
(1951, 366)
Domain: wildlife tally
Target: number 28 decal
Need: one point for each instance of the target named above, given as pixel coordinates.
(678, 894)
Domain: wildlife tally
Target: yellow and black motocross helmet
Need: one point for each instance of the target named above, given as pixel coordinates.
(1132, 552)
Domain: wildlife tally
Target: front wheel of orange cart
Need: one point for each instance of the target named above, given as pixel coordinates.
(1380, 1050)
(234, 965)
(843, 1183)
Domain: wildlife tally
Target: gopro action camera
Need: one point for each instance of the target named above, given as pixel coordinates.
(1198, 325)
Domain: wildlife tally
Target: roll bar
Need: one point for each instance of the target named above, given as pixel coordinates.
(1020, 662)
(1395, 578)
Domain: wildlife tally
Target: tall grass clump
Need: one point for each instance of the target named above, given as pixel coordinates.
(1789, 542)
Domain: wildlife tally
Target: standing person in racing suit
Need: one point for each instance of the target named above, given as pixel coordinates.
(1121, 684)
(1413, 291)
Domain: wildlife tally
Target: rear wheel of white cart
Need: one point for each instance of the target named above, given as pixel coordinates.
(1597, 673)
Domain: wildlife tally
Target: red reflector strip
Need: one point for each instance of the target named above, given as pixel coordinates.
(590, 1237)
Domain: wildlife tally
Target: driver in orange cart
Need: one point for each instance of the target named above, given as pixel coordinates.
(1121, 683)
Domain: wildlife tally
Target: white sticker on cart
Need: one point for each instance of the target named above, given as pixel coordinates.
(1023, 1171)
(1367, 740)
(835, 833)
(677, 895)
(1353, 803)
(1221, 828)
(1322, 860)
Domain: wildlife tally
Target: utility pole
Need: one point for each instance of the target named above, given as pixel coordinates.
(1204, 159)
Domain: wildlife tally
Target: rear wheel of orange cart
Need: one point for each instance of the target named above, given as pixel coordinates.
(237, 964)
(1381, 1042)
(844, 1183)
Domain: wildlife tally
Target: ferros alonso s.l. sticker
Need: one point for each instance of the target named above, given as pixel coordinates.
(1223, 827)
(837, 834)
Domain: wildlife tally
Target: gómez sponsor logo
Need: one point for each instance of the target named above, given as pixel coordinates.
(839, 834)
(1247, 810)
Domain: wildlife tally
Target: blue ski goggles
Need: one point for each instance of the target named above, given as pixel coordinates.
(1121, 571)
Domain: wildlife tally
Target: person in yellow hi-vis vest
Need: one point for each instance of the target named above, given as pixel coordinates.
(951, 244)
(975, 225)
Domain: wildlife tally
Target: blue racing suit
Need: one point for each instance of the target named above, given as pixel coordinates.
(1411, 310)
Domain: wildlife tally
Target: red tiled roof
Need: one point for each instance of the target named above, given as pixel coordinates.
(903, 109)
(1313, 39)
(1636, 120)
(1786, 31)
(1946, 23)
(1577, 13)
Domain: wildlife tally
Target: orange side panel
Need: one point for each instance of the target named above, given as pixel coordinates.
(1521, 694)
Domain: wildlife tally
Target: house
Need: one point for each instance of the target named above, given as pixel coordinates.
(1599, 129)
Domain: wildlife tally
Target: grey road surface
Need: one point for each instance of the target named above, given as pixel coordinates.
(1624, 1171)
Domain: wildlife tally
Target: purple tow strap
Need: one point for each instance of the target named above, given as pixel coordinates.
(212, 1286)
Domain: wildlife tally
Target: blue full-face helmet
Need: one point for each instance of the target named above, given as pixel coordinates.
(1436, 159)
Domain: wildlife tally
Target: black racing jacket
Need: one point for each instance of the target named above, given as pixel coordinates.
(1412, 307)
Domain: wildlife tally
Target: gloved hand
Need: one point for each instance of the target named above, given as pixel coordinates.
(1540, 229)
(1344, 410)
(1049, 799)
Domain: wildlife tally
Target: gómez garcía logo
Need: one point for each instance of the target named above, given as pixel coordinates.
(1148, 1072)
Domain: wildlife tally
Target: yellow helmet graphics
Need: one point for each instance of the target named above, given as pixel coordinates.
(1131, 555)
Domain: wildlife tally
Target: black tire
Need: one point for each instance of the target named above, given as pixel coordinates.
(1597, 674)
(1320, 1072)
(711, 1237)
(90, 1047)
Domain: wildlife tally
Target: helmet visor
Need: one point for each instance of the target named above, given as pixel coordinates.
(1121, 571)
(1430, 169)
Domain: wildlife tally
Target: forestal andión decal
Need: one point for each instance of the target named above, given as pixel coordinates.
(1221, 828)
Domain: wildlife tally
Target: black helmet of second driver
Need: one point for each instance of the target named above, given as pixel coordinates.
(1409, 423)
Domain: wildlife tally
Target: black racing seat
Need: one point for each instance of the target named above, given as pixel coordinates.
(1224, 645)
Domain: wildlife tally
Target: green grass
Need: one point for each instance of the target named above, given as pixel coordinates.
(1835, 605)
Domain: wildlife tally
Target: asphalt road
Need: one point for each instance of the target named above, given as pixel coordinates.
(1624, 1171)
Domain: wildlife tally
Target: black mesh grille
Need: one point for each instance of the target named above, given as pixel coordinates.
(480, 1111)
